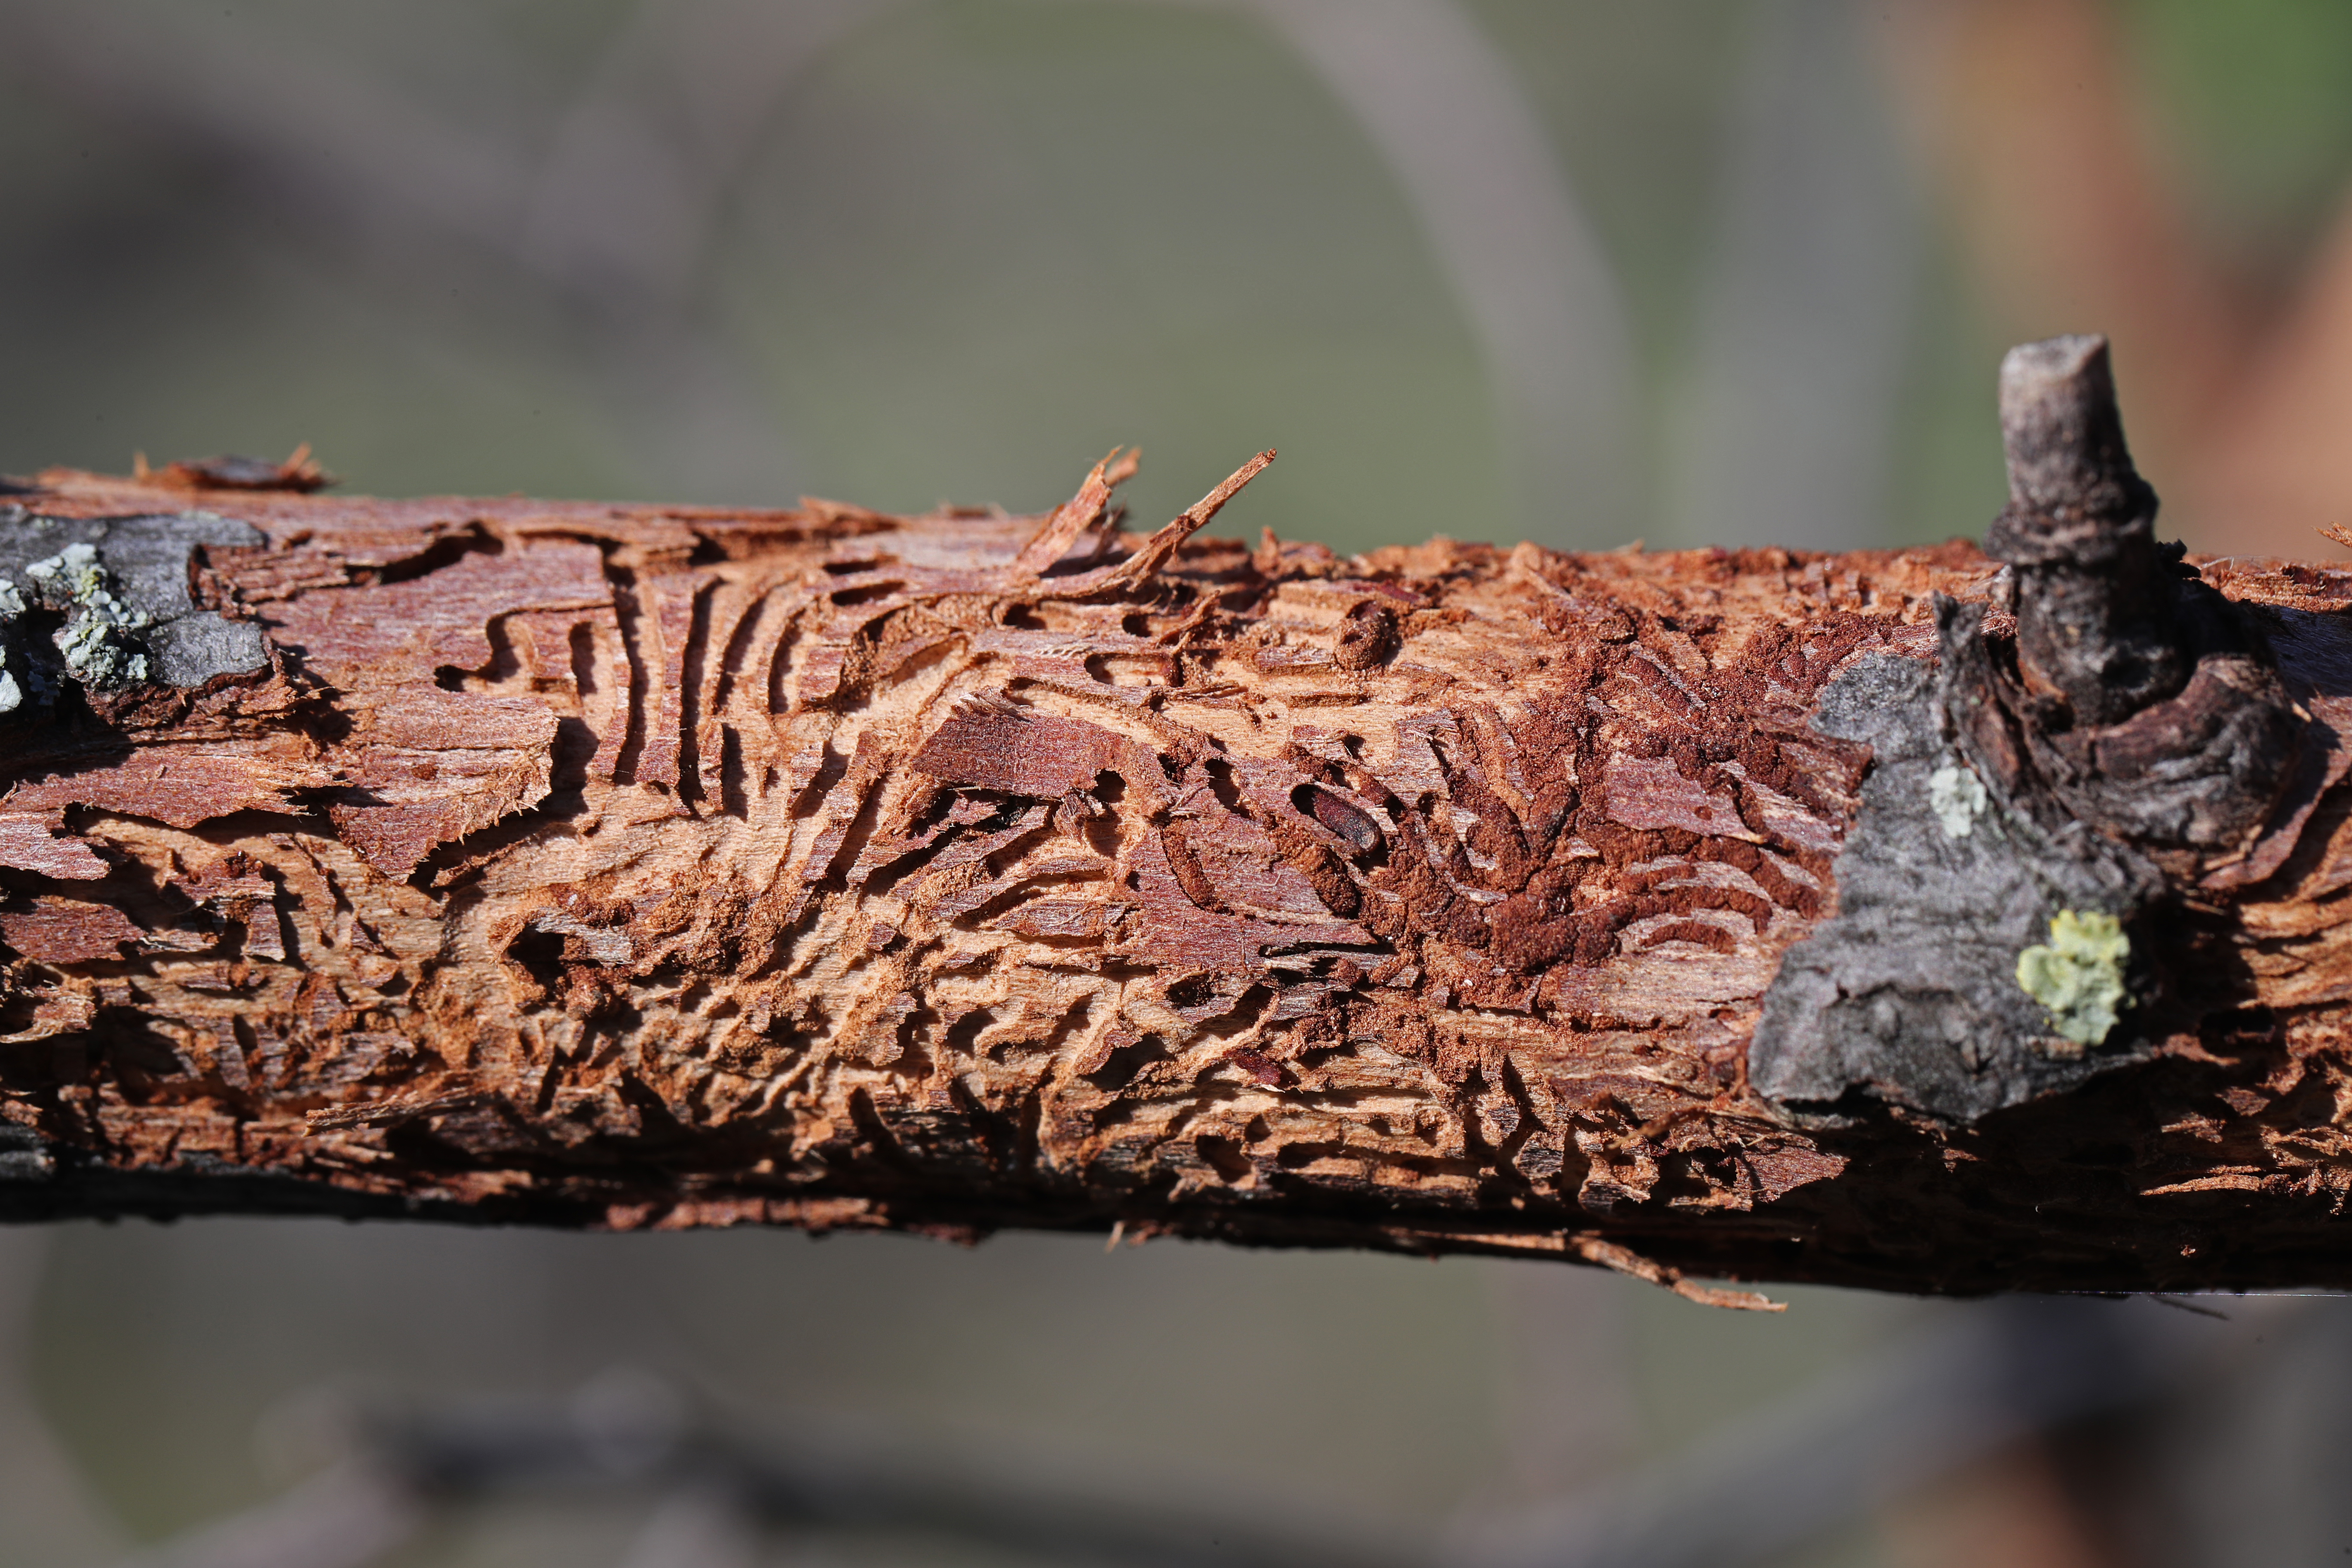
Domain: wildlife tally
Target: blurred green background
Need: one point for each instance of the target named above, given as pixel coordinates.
(964, 248)
(955, 250)
(1585, 272)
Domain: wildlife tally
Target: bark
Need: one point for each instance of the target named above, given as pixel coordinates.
(630, 866)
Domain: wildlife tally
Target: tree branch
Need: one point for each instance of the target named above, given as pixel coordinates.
(1919, 920)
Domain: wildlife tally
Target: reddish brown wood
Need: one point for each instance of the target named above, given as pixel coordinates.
(639, 866)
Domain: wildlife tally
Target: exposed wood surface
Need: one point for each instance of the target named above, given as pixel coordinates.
(635, 866)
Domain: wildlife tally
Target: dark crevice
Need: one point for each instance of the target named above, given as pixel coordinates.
(503, 664)
(446, 551)
(854, 841)
(689, 694)
(739, 651)
(733, 798)
(779, 667)
(629, 613)
(1124, 1062)
(831, 768)
(582, 642)
(1222, 784)
(460, 858)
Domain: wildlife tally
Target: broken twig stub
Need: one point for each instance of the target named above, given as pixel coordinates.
(2122, 724)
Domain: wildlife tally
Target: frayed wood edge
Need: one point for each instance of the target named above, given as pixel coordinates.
(1074, 519)
(1626, 1260)
(388, 1112)
(1607, 1255)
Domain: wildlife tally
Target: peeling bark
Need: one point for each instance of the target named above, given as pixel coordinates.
(635, 866)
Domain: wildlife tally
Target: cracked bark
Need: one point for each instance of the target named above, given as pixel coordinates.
(629, 865)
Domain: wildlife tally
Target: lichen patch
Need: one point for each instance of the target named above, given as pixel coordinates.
(2078, 975)
(1957, 799)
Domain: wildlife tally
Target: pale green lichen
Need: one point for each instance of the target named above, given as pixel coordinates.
(1956, 798)
(100, 641)
(2079, 977)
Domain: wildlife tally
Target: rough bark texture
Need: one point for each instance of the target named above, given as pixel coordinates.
(635, 866)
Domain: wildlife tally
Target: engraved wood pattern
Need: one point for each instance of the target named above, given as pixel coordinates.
(640, 865)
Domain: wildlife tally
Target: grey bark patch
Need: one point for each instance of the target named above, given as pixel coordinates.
(193, 648)
(1909, 993)
(147, 557)
(27, 539)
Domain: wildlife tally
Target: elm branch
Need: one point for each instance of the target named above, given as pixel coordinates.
(1937, 920)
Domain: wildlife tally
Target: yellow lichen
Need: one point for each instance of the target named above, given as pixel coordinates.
(2079, 977)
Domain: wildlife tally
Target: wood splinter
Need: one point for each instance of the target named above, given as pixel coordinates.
(1927, 920)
